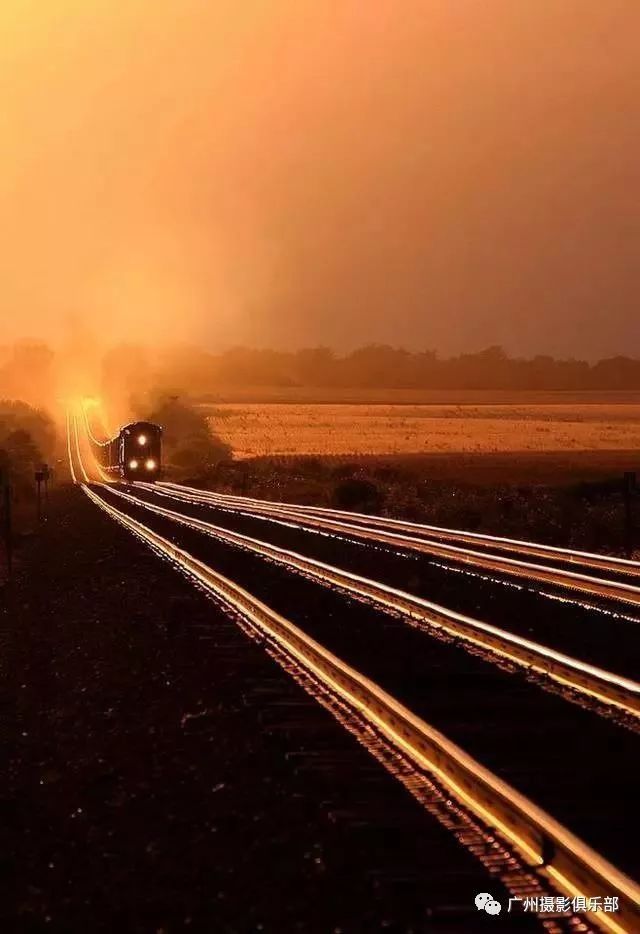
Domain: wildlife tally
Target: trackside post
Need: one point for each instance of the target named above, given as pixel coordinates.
(39, 476)
(46, 476)
(7, 530)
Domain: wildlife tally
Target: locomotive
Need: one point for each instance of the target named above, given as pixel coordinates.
(134, 454)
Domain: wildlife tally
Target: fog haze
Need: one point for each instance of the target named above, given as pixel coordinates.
(431, 173)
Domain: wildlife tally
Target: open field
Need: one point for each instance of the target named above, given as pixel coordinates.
(268, 429)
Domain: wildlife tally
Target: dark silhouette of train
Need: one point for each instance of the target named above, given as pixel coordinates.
(135, 453)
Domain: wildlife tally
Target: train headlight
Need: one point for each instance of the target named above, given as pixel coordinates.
(142, 440)
(150, 464)
(133, 464)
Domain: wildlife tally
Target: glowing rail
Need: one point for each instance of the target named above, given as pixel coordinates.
(572, 581)
(90, 434)
(88, 437)
(85, 475)
(94, 404)
(74, 478)
(584, 559)
(607, 688)
(572, 867)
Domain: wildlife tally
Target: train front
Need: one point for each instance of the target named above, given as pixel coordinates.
(141, 451)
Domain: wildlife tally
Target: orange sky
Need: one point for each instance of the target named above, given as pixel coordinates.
(447, 173)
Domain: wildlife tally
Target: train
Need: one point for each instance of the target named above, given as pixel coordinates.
(134, 454)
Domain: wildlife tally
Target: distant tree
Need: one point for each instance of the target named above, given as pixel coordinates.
(385, 367)
(20, 456)
(616, 373)
(196, 369)
(21, 449)
(19, 417)
(315, 366)
(356, 494)
(188, 440)
(375, 365)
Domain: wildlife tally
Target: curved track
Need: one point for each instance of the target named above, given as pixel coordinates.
(604, 637)
(607, 688)
(583, 561)
(384, 675)
(579, 581)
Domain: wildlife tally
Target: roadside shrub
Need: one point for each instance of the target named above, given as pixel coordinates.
(357, 495)
(18, 416)
(189, 443)
(27, 438)
(344, 471)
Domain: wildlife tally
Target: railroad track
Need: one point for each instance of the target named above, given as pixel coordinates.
(582, 560)
(577, 583)
(572, 868)
(542, 846)
(609, 689)
(601, 633)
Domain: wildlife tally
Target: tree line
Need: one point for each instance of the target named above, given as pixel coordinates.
(381, 366)
(27, 438)
(33, 372)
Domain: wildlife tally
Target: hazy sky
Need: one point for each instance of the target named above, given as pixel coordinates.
(433, 173)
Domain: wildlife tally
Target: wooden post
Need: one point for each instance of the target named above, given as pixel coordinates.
(39, 479)
(7, 529)
(46, 474)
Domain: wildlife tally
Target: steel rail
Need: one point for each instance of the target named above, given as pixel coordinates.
(501, 543)
(572, 581)
(606, 687)
(90, 434)
(97, 468)
(92, 440)
(85, 475)
(74, 478)
(585, 559)
(572, 866)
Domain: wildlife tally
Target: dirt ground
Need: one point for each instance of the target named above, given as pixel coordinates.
(162, 774)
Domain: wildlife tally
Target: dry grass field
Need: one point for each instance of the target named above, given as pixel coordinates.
(547, 466)
(268, 429)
